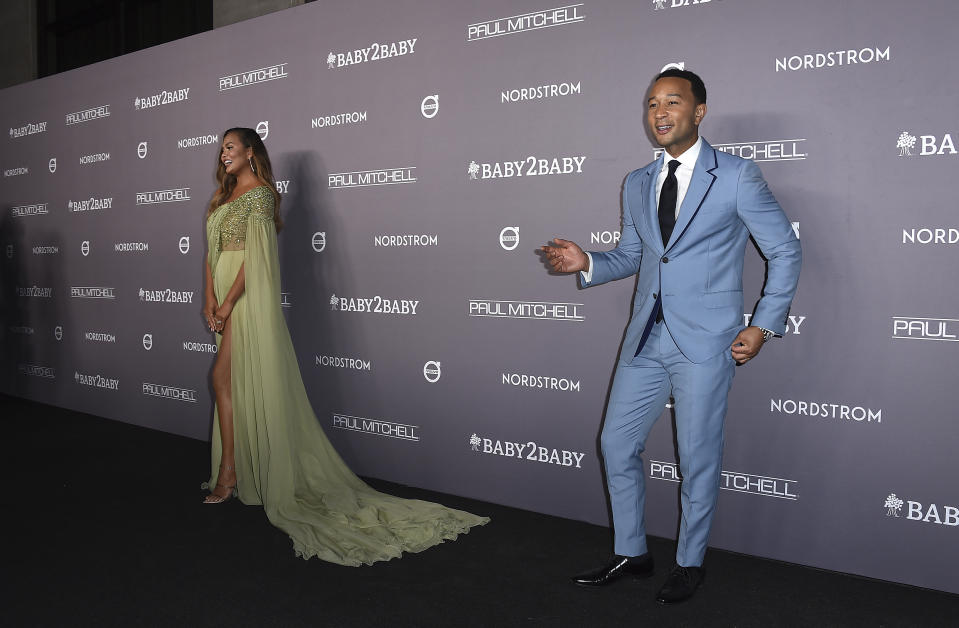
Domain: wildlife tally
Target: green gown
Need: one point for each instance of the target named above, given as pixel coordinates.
(283, 458)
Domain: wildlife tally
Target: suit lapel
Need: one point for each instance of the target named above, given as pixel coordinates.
(698, 187)
(650, 212)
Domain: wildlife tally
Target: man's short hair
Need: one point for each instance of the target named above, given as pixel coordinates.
(699, 88)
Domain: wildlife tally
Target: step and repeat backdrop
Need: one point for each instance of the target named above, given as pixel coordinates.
(423, 151)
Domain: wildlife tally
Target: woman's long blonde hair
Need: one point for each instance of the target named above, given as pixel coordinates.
(263, 169)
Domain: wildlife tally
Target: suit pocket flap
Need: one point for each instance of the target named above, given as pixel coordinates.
(731, 298)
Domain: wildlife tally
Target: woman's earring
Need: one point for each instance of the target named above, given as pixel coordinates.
(251, 165)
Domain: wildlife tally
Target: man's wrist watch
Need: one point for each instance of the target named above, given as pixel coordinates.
(767, 334)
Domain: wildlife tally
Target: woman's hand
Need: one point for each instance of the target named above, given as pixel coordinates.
(209, 313)
(222, 313)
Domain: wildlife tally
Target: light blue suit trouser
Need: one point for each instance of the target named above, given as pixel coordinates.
(640, 390)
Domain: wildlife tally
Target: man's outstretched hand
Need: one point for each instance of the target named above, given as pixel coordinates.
(564, 256)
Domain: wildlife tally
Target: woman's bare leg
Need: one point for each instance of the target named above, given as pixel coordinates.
(223, 391)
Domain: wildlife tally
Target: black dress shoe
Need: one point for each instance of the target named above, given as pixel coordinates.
(639, 567)
(680, 585)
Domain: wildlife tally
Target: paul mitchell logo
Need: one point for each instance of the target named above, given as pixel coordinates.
(373, 52)
(392, 240)
(174, 195)
(263, 129)
(374, 305)
(52, 164)
(538, 92)
(29, 210)
(142, 149)
(340, 362)
(91, 292)
(166, 296)
(97, 381)
(29, 128)
(819, 60)
(560, 16)
(909, 328)
(524, 380)
(95, 113)
(319, 241)
(430, 106)
(432, 371)
(509, 238)
(90, 204)
(930, 235)
(532, 310)
(147, 341)
(365, 178)
(761, 485)
(169, 392)
(34, 292)
(825, 410)
(165, 97)
(378, 427)
(58, 332)
(530, 451)
(35, 370)
(530, 167)
(337, 119)
(184, 245)
(16, 172)
(252, 77)
(85, 248)
(917, 511)
(198, 140)
(770, 150)
(928, 144)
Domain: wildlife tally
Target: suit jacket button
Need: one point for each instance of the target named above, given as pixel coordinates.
(665, 260)
(655, 296)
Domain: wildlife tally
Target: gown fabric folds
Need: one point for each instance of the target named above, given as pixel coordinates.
(283, 459)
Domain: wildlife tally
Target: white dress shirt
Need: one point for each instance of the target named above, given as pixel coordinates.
(684, 174)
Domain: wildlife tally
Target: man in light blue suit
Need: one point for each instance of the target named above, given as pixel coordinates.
(686, 219)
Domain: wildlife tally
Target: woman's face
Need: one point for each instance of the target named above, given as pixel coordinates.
(234, 155)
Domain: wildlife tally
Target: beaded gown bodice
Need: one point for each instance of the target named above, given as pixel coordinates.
(227, 225)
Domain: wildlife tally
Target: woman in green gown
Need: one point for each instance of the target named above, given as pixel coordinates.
(268, 448)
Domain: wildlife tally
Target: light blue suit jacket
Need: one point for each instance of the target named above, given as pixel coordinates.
(699, 273)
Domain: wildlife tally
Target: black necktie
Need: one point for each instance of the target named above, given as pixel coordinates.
(667, 202)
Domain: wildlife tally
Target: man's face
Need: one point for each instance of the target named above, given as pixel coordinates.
(673, 115)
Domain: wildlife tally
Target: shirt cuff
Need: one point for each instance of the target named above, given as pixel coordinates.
(588, 274)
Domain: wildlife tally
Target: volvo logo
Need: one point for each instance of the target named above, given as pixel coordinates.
(185, 245)
(147, 341)
(85, 247)
(142, 150)
(431, 371)
(52, 165)
(263, 129)
(319, 241)
(58, 332)
(430, 106)
(509, 238)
